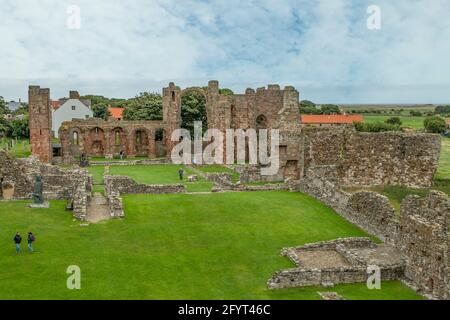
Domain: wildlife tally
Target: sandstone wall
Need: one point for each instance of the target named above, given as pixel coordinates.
(424, 239)
(126, 185)
(368, 159)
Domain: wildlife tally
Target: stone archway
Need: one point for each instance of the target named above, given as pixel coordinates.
(118, 140)
(141, 143)
(97, 142)
(193, 105)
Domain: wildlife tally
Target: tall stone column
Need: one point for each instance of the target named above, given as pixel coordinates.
(151, 144)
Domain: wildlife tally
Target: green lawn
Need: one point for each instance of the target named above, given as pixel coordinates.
(154, 174)
(444, 164)
(20, 149)
(413, 122)
(206, 246)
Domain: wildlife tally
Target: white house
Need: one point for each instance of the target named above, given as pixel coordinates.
(68, 109)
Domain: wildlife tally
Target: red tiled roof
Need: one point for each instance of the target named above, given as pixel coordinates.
(56, 104)
(116, 113)
(331, 119)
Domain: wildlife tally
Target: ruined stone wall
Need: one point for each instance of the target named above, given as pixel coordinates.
(368, 159)
(97, 137)
(421, 232)
(40, 123)
(20, 174)
(126, 185)
(252, 173)
(355, 255)
(424, 239)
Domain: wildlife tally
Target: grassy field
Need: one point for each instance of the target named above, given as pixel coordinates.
(154, 174)
(20, 149)
(444, 164)
(206, 246)
(412, 122)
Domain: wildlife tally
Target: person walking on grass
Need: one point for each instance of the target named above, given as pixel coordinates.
(17, 241)
(31, 239)
(181, 173)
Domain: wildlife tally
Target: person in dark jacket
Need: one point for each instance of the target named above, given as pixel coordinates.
(181, 173)
(17, 241)
(31, 239)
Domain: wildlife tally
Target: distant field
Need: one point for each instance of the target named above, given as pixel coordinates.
(413, 122)
(392, 109)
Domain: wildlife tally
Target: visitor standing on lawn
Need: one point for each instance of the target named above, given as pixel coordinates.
(17, 241)
(31, 239)
(181, 173)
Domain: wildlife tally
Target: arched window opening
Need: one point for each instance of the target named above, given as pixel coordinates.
(261, 122)
(159, 135)
(117, 138)
(138, 138)
(75, 140)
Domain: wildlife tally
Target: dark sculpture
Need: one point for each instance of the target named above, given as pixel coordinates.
(38, 198)
(84, 160)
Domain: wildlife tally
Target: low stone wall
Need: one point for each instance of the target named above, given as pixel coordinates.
(252, 173)
(421, 232)
(249, 188)
(129, 162)
(424, 240)
(369, 210)
(126, 185)
(352, 250)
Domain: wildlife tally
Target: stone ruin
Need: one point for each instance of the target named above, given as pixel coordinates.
(316, 161)
(71, 185)
(418, 240)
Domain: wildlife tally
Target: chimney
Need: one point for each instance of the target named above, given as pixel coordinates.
(74, 95)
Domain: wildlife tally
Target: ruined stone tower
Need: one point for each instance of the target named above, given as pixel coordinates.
(39, 108)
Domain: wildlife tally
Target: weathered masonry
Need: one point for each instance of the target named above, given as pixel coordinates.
(340, 154)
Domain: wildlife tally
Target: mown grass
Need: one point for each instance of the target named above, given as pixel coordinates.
(207, 246)
(20, 148)
(154, 174)
(413, 122)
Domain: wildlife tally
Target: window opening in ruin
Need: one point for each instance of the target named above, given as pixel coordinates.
(75, 138)
(117, 138)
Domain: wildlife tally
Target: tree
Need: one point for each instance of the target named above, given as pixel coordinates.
(226, 91)
(145, 106)
(442, 110)
(23, 109)
(5, 127)
(330, 109)
(394, 121)
(435, 124)
(308, 107)
(3, 108)
(20, 129)
(101, 111)
(193, 108)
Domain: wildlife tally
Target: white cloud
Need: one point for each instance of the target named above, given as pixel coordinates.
(322, 47)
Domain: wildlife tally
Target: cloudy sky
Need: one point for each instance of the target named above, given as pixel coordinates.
(322, 47)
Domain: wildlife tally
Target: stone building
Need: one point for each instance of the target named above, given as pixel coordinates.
(353, 158)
